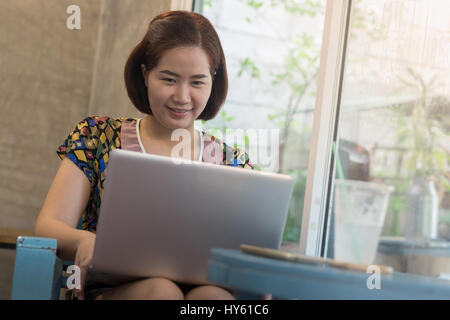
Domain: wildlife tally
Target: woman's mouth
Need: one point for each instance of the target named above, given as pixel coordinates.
(177, 112)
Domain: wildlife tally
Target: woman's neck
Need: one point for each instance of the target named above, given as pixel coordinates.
(155, 135)
(154, 130)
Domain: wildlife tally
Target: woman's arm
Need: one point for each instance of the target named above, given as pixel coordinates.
(62, 209)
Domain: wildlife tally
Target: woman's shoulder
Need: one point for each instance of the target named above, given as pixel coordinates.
(103, 121)
(231, 156)
(94, 125)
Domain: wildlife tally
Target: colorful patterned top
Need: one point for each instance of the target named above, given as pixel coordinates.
(89, 144)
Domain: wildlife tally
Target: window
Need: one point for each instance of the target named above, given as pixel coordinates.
(272, 50)
(393, 129)
(380, 117)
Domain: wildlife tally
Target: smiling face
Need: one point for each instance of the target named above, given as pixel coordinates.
(179, 87)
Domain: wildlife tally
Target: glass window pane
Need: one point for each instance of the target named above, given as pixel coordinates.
(272, 50)
(394, 138)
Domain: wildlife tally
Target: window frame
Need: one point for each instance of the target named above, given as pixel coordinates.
(197, 6)
(324, 132)
(325, 128)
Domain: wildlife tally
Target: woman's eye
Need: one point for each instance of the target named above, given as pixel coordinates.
(169, 80)
(197, 83)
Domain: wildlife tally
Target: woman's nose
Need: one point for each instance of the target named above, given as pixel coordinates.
(182, 94)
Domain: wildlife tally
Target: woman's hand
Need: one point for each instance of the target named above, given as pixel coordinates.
(83, 258)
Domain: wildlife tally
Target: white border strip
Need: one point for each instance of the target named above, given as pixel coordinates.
(328, 93)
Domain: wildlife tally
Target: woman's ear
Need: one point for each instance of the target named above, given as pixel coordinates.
(144, 73)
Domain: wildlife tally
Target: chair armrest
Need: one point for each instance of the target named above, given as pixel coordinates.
(37, 269)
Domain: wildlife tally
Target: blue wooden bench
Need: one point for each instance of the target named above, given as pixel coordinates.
(38, 274)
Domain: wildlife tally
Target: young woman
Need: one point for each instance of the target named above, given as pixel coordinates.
(175, 75)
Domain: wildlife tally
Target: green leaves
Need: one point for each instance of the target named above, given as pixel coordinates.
(446, 183)
(255, 4)
(308, 8)
(207, 4)
(225, 117)
(439, 156)
(248, 65)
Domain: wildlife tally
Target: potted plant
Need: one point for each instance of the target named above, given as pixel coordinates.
(426, 161)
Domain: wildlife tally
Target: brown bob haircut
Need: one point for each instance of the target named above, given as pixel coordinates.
(167, 31)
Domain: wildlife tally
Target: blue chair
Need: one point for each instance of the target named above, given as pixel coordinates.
(38, 272)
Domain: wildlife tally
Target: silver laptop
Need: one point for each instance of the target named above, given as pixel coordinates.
(160, 218)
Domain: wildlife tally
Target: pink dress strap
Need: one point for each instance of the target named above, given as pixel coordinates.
(212, 151)
(128, 136)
